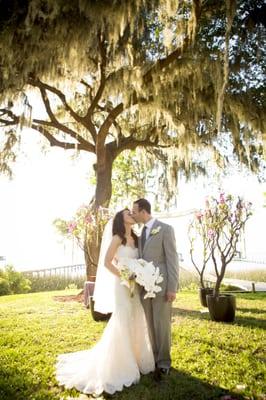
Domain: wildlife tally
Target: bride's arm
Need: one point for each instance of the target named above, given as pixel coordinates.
(110, 255)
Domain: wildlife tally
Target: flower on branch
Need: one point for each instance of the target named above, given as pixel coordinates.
(71, 227)
(210, 233)
(87, 223)
(219, 227)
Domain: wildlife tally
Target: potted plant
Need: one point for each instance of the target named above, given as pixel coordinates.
(201, 253)
(222, 222)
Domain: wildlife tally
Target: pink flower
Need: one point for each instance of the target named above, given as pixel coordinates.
(88, 219)
(71, 226)
(210, 233)
(199, 215)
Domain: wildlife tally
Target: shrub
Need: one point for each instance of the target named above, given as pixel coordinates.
(56, 282)
(4, 287)
(13, 282)
(72, 286)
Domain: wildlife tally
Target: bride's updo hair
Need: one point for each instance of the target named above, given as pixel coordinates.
(120, 229)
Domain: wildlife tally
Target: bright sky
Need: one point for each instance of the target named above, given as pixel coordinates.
(54, 184)
(45, 187)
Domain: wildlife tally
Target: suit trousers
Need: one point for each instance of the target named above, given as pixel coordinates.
(158, 314)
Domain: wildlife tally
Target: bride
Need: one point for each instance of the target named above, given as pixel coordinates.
(124, 350)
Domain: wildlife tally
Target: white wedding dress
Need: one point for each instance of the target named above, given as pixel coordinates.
(123, 352)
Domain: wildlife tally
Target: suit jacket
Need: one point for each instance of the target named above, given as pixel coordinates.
(160, 248)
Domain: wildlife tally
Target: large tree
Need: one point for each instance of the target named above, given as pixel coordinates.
(116, 75)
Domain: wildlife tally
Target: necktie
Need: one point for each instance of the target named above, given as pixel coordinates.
(143, 236)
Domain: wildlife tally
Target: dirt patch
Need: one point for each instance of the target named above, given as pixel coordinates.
(77, 297)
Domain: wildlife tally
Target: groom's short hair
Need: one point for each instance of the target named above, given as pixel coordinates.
(143, 204)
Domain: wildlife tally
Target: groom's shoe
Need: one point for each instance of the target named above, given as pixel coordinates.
(165, 371)
(159, 373)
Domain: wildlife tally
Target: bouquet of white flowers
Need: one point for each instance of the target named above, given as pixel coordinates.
(142, 272)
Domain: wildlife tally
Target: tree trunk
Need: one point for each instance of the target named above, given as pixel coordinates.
(202, 278)
(103, 170)
(91, 255)
(103, 194)
(219, 279)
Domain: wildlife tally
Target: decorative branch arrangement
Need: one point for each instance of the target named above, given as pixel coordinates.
(218, 226)
(198, 229)
(85, 227)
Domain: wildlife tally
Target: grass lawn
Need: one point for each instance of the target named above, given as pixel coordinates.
(210, 360)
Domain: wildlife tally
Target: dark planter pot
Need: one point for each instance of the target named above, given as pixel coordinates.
(203, 292)
(89, 302)
(222, 308)
(96, 315)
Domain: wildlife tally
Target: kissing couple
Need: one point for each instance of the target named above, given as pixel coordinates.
(137, 338)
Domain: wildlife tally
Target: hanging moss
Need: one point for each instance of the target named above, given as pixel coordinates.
(8, 152)
(177, 68)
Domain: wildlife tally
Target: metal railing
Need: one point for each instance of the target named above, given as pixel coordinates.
(65, 270)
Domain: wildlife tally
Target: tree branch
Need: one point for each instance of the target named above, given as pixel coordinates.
(84, 145)
(10, 114)
(7, 123)
(129, 143)
(107, 108)
(43, 87)
(103, 132)
(55, 142)
(54, 121)
(101, 87)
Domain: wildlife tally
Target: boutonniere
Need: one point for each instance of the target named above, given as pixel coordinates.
(155, 230)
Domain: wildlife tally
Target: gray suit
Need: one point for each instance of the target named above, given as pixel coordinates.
(160, 248)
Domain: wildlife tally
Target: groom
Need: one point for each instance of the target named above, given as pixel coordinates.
(157, 244)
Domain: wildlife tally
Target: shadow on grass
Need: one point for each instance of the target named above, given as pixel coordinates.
(239, 320)
(176, 386)
(250, 321)
(184, 312)
(251, 310)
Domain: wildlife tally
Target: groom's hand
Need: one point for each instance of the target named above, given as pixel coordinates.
(170, 296)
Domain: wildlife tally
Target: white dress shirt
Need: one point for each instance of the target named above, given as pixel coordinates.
(149, 225)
